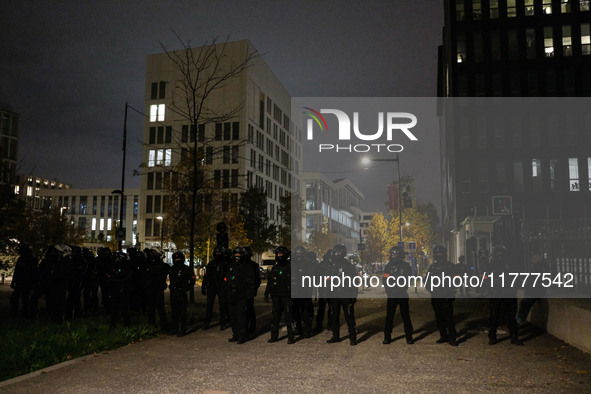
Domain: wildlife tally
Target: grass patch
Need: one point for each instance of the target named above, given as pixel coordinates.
(31, 344)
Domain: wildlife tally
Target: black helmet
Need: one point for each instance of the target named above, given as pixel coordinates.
(299, 252)
(178, 257)
(282, 253)
(221, 227)
(310, 256)
(396, 252)
(439, 252)
(339, 250)
(218, 251)
(238, 253)
(120, 257)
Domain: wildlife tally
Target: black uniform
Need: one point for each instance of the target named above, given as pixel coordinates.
(182, 279)
(303, 264)
(155, 284)
(239, 284)
(504, 300)
(212, 288)
(442, 298)
(251, 317)
(90, 284)
(104, 265)
(77, 273)
(343, 297)
(397, 296)
(23, 281)
(322, 270)
(119, 284)
(139, 264)
(279, 292)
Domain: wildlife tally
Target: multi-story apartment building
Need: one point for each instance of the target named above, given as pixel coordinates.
(332, 206)
(527, 48)
(9, 135)
(29, 187)
(98, 212)
(256, 142)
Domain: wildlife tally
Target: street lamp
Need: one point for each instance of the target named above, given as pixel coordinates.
(161, 232)
(366, 161)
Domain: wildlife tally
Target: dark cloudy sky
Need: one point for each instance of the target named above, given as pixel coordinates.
(68, 67)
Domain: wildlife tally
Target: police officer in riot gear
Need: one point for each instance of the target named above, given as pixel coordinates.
(442, 297)
(23, 280)
(303, 264)
(279, 293)
(397, 296)
(503, 299)
(322, 270)
(239, 286)
(251, 318)
(343, 297)
(182, 279)
(119, 283)
(155, 275)
(212, 287)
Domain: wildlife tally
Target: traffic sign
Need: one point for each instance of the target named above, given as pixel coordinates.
(412, 245)
(502, 205)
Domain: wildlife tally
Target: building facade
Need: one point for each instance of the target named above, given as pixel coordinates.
(29, 187)
(246, 136)
(332, 207)
(509, 48)
(9, 135)
(98, 212)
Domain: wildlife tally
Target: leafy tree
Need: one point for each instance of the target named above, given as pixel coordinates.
(291, 212)
(320, 242)
(378, 239)
(253, 212)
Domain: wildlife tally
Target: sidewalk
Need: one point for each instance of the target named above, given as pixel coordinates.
(204, 361)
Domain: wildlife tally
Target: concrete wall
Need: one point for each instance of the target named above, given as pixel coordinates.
(566, 319)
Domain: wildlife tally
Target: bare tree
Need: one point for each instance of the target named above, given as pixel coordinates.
(202, 71)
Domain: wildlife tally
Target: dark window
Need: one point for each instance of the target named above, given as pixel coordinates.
(226, 155)
(227, 127)
(149, 203)
(148, 228)
(185, 133)
(201, 136)
(157, 204)
(168, 136)
(162, 90)
(150, 180)
(154, 92)
(226, 179)
(160, 138)
(218, 131)
(234, 178)
(158, 184)
(234, 155)
(216, 179)
(209, 155)
(152, 139)
(236, 130)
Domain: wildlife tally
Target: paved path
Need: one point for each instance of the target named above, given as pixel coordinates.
(204, 361)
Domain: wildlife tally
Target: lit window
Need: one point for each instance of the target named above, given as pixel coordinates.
(157, 113)
(529, 7)
(17, 189)
(536, 175)
(547, 6)
(461, 50)
(511, 9)
(159, 157)
(554, 174)
(573, 174)
(109, 223)
(29, 191)
(168, 157)
(459, 10)
(102, 225)
(584, 5)
(567, 49)
(151, 158)
(589, 171)
(548, 42)
(564, 6)
(585, 39)
(476, 9)
(494, 9)
(93, 226)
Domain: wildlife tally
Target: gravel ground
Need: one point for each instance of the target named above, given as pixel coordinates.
(204, 361)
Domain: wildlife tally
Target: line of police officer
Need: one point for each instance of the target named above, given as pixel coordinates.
(138, 281)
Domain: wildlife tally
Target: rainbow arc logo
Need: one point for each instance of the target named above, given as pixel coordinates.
(317, 117)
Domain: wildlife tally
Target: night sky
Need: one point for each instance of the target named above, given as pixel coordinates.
(68, 67)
